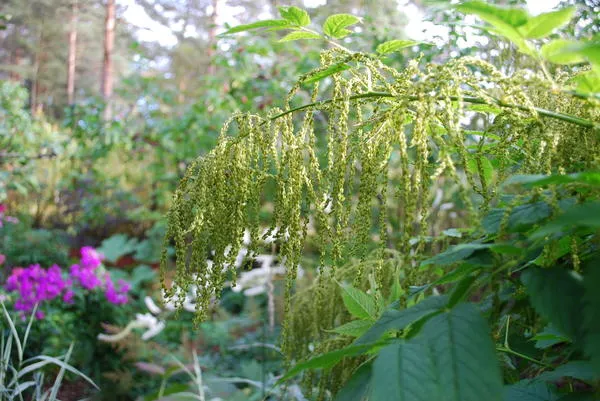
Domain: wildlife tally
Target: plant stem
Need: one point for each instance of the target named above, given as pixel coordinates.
(528, 358)
(468, 99)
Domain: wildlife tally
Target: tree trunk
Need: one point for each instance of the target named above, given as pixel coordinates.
(212, 37)
(72, 54)
(109, 42)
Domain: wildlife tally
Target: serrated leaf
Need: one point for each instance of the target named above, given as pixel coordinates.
(542, 25)
(555, 294)
(528, 391)
(331, 70)
(404, 371)
(295, 15)
(464, 355)
(270, 23)
(580, 370)
(394, 320)
(298, 35)
(358, 386)
(358, 303)
(561, 51)
(335, 25)
(355, 328)
(394, 45)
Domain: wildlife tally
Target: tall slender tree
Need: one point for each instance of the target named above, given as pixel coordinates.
(71, 60)
(109, 43)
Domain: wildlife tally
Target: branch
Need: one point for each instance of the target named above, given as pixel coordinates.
(468, 99)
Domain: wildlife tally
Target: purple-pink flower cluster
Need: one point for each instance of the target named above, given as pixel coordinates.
(36, 285)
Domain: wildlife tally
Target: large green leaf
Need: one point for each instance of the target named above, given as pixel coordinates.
(529, 391)
(116, 246)
(542, 25)
(328, 360)
(358, 303)
(460, 252)
(296, 16)
(591, 323)
(504, 21)
(539, 180)
(581, 215)
(464, 355)
(335, 25)
(270, 23)
(400, 319)
(560, 51)
(404, 371)
(555, 294)
(358, 386)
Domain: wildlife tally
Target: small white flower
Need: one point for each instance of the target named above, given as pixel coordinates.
(154, 330)
(152, 307)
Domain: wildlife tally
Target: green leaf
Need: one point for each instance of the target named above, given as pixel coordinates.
(538, 180)
(400, 319)
(298, 35)
(395, 45)
(562, 51)
(461, 290)
(296, 16)
(454, 254)
(331, 70)
(358, 303)
(404, 371)
(116, 246)
(464, 355)
(335, 25)
(528, 391)
(270, 23)
(555, 294)
(504, 21)
(580, 370)
(358, 386)
(549, 338)
(328, 360)
(486, 167)
(520, 217)
(542, 25)
(460, 252)
(591, 312)
(586, 82)
(581, 215)
(355, 328)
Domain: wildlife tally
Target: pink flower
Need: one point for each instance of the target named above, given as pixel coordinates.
(117, 296)
(90, 257)
(2, 259)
